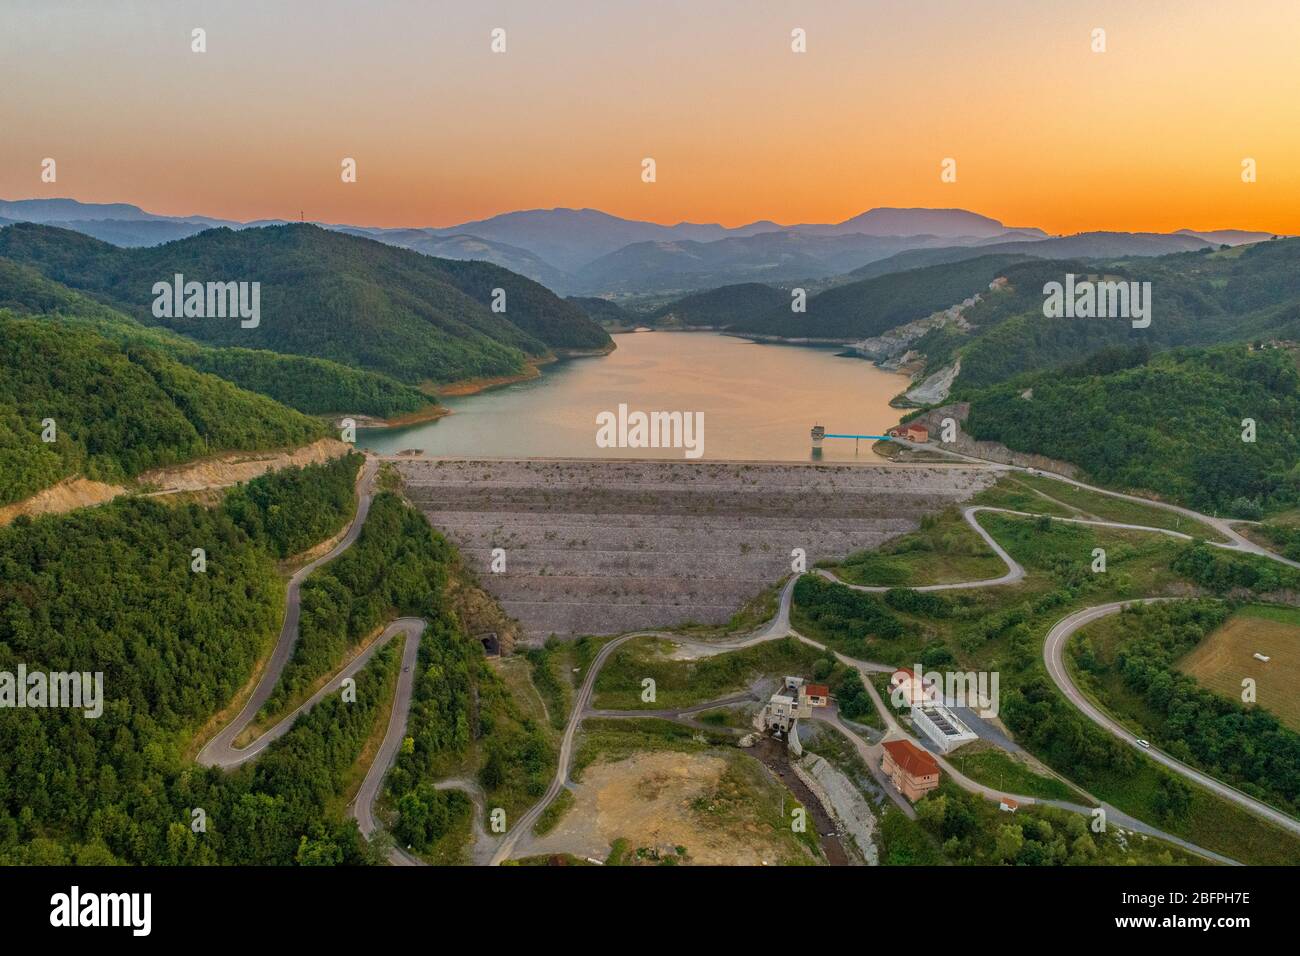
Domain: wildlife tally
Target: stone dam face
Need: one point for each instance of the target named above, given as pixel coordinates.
(603, 547)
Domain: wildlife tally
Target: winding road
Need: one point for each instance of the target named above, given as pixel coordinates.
(221, 751)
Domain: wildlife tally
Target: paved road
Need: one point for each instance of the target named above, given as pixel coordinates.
(362, 807)
(221, 751)
(1053, 657)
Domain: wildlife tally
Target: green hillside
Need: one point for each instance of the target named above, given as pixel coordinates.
(110, 589)
(118, 410)
(529, 305)
(327, 295)
(867, 308)
(1169, 423)
(1204, 298)
(607, 313)
(731, 305)
(311, 385)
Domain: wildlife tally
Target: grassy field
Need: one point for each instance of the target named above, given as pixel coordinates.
(1222, 660)
(516, 673)
(986, 764)
(1117, 509)
(1015, 495)
(1137, 562)
(726, 717)
(943, 550)
(682, 683)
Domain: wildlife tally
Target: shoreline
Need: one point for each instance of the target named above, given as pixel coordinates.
(472, 386)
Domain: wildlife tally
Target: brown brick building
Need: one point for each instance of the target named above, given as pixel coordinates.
(913, 771)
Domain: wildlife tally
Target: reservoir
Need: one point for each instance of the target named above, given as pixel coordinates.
(758, 402)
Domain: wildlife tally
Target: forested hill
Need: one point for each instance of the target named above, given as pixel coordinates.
(111, 589)
(873, 306)
(559, 323)
(720, 308)
(1198, 298)
(311, 385)
(117, 411)
(329, 295)
(1170, 423)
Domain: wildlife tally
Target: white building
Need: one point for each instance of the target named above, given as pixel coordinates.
(942, 726)
(797, 699)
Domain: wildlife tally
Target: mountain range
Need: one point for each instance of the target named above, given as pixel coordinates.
(589, 252)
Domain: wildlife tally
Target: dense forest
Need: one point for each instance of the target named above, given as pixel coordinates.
(396, 567)
(849, 616)
(607, 313)
(111, 589)
(1246, 746)
(872, 306)
(1242, 294)
(973, 832)
(1170, 423)
(311, 385)
(720, 308)
(328, 295)
(558, 323)
(117, 411)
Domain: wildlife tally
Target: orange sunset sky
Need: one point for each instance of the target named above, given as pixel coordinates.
(1149, 135)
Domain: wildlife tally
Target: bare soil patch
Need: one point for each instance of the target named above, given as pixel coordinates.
(67, 495)
(714, 805)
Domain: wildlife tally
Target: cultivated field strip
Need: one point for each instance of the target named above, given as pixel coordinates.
(601, 547)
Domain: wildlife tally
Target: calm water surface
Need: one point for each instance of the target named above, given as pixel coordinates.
(759, 402)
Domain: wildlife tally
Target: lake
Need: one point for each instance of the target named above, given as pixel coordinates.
(758, 402)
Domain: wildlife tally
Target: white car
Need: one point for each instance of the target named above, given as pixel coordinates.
(1143, 743)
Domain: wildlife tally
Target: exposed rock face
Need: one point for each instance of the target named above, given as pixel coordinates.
(893, 350)
(935, 387)
(842, 801)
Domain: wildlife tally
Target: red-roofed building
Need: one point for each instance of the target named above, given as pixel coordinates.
(818, 695)
(912, 771)
(912, 431)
